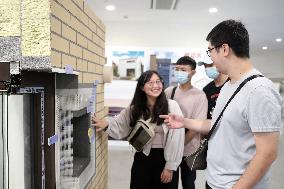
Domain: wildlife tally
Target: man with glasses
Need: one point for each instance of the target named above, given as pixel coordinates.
(244, 144)
(211, 49)
(193, 104)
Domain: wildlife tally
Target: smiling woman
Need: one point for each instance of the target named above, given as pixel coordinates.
(158, 159)
(153, 88)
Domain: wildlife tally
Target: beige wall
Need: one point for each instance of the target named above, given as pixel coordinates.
(63, 32)
(10, 18)
(35, 28)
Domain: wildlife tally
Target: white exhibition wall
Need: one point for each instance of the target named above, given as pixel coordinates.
(271, 64)
(124, 89)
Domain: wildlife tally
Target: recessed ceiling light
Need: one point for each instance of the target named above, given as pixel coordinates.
(264, 48)
(213, 10)
(278, 40)
(110, 7)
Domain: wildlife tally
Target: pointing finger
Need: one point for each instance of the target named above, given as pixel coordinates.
(164, 116)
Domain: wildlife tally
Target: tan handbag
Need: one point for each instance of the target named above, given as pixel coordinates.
(142, 133)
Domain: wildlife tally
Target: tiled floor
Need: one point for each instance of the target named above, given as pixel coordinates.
(121, 157)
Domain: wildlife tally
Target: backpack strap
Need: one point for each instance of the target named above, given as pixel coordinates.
(234, 94)
(173, 92)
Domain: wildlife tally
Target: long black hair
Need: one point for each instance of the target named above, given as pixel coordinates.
(139, 106)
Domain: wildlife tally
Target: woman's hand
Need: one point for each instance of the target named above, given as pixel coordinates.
(99, 124)
(173, 121)
(166, 176)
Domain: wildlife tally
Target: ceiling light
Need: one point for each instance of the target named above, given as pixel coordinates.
(264, 48)
(110, 7)
(213, 10)
(278, 40)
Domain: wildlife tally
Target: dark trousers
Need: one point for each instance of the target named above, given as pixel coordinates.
(207, 186)
(187, 176)
(146, 171)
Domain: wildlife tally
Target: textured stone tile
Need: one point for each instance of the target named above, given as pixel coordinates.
(10, 49)
(36, 63)
(36, 28)
(15, 67)
(10, 18)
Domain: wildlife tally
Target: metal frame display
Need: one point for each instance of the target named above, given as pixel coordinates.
(3, 147)
(10, 84)
(26, 90)
(40, 90)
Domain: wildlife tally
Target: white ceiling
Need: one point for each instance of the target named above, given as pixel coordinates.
(189, 24)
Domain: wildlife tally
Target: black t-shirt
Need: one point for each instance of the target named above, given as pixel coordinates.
(212, 93)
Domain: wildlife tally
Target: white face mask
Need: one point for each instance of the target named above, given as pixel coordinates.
(181, 77)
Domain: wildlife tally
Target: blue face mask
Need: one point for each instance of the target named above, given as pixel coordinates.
(181, 77)
(212, 72)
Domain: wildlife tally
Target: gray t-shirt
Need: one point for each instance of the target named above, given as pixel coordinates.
(256, 108)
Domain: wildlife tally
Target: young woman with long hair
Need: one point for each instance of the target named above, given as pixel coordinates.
(156, 165)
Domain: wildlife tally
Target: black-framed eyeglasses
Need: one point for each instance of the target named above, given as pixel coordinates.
(209, 50)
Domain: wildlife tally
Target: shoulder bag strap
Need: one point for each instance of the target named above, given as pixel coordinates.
(173, 92)
(221, 114)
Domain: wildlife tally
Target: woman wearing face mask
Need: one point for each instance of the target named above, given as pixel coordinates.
(213, 88)
(193, 104)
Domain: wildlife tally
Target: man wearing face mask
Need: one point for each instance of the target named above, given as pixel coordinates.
(193, 104)
(213, 88)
